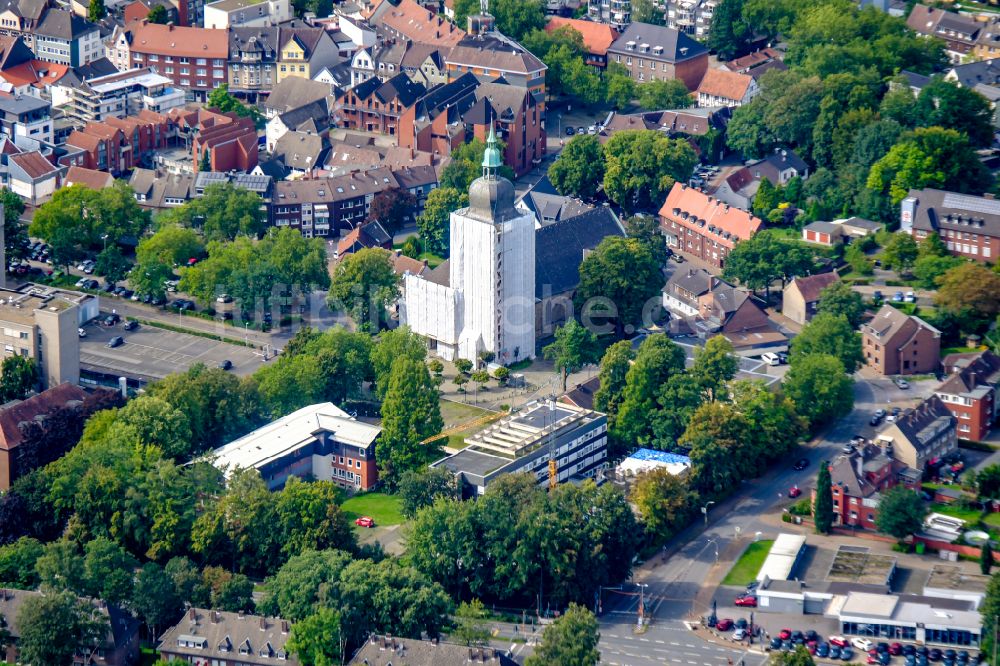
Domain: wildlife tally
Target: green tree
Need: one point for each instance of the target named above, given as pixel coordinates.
(657, 360)
(410, 414)
(859, 262)
(574, 347)
(569, 641)
(18, 377)
(608, 398)
(969, 293)
(96, 11)
(800, 656)
(316, 640)
(517, 18)
(988, 482)
(112, 264)
(642, 165)
(400, 342)
(310, 518)
(422, 487)
(946, 104)
(364, 284)
(929, 268)
(158, 14)
(729, 33)
(646, 228)
(579, 169)
(434, 222)
(839, 299)
(109, 571)
(748, 133)
(665, 94)
(990, 612)
(714, 436)
(763, 258)
(820, 389)
(466, 166)
(61, 567)
(767, 198)
(17, 563)
(985, 558)
(205, 163)
(53, 625)
(15, 235)
(676, 400)
(155, 597)
(619, 88)
(664, 502)
(823, 505)
(829, 334)
(623, 278)
(220, 98)
(222, 213)
(714, 365)
(392, 207)
(900, 252)
(304, 583)
(901, 512)
(470, 624)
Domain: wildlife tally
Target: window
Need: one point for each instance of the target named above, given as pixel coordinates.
(358, 463)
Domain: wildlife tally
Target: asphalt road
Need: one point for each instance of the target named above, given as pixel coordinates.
(673, 585)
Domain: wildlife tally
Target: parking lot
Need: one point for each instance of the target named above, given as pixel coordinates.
(151, 353)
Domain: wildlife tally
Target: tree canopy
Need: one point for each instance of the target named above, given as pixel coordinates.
(642, 165)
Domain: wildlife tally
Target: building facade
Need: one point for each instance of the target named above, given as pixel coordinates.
(970, 392)
(969, 226)
(922, 435)
(616, 13)
(894, 343)
(65, 38)
(655, 53)
(698, 224)
(801, 296)
(192, 58)
(222, 638)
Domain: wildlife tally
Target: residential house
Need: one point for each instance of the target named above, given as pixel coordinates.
(388, 60)
(293, 93)
(304, 50)
(560, 248)
(692, 17)
(434, 124)
(495, 56)
(410, 21)
(969, 392)
(31, 177)
(656, 53)
(325, 206)
(418, 180)
(41, 324)
(253, 59)
(117, 145)
(26, 121)
(193, 58)
(823, 233)
(616, 13)
(89, 178)
(229, 141)
(21, 17)
(313, 117)
(969, 226)
(320, 441)
(222, 638)
(122, 94)
(160, 190)
(386, 650)
(703, 226)
(403, 265)
(364, 236)
(856, 483)
(895, 343)
(740, 187)
(424, 63)
(15, 462)
(721, 88)
(118, 644)
(139, 9)
(247, 13)
(374, 106)
(922, 435)
(582, 395)
(517, 118)
(801, 296)
(597, 37)
(746, 64)
(548, 206)
(65, 38)
(959, 32)
(300, 152)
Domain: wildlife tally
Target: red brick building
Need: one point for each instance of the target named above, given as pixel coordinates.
(117, 145)
(656, 53)
(894, 343)
(969, 226)
(229, 141)
(700, 225)
(855, 482)
(970, 392)
(193, 58)
(374, 106)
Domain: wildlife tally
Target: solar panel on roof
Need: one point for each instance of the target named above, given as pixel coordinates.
(974, 204)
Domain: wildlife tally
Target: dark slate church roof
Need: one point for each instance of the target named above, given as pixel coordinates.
(559, 248)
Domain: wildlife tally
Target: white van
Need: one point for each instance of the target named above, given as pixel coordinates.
(770, 358)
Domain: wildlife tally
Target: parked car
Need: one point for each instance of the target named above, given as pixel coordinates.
(897, 297)
(895, 649)
(224, 298)
(80, 282)
(877, 296)
(834, 652)
(839, 641)
(131, 325)
(226, 365)
(775, 643)
(801, 464)
(823, 650)
(82, 333)
(794, 492)
(570, 131)
(862, 643)
(677, 258)
(785, 634)
(739, 634)
(725, 624)
(108, 288)
(91, 284)
(935, 654)
(770, 358)
(746, 600)
(910, 297)
(846, 653)
(112, 319)
(365, 521)
(901, 383)
(116, 341)
(812, 636)
(743, 624)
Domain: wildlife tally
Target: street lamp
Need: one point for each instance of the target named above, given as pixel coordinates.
(704, 511)
(642, 600)
(714, 543)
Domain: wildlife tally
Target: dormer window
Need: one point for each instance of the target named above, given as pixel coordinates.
(245, 647)
(226, 645)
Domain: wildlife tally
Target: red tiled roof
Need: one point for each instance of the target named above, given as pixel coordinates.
(34, 73)
(80, 139)
(421, 25)
(708, 216)
(89, 178)
(597, 37)
(33, 164)
(810, 286)
(728, 85)
(179, 41)
(26, 410)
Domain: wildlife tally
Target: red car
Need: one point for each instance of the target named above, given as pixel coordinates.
(785, 634)
(746, 600)
(839, 641)
(365, 521)
(724, 625)
(896, 649)
(794, 491)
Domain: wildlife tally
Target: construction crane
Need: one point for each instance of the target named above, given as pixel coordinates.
(553, 464)
(455, 429)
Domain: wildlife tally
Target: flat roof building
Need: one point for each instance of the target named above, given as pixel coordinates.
(948, 581)
(782, 557)
(576, 440)
(320, 441)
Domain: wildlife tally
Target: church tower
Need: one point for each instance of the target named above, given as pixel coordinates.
(493, 267)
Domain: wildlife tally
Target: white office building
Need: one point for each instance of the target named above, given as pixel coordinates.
(487, 302)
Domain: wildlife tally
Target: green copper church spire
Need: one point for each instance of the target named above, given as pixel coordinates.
(491, 156)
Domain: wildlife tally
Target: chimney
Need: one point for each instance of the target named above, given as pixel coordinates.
(192, 615)
(263, 624)
(284, 626)
(989, 195)
(216, 617)
(240, 615)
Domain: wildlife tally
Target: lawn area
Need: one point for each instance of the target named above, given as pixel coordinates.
(748, 566)
(970, 516)
(960, 350)
(992, 519)
(454, 413)
(432, 259)
(383, 508)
